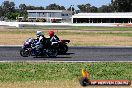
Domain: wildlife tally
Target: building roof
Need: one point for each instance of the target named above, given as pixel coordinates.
(48, 11)
(103, 15)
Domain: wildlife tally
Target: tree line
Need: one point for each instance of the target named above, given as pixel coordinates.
(9, 11)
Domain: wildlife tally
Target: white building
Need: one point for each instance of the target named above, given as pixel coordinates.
(50, 15)
(102, 17)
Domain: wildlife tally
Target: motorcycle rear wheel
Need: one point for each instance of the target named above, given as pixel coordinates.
(63, 49)
(52, 53)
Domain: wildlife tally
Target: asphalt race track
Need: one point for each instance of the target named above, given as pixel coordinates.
(74, 54)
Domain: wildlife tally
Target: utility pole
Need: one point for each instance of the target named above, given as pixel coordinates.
(72, 7)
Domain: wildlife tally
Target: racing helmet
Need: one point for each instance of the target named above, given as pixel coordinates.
(39, 33)
(51, 33)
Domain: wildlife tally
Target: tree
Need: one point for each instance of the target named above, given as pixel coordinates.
(105, 8)
(23, 9)
(11, 15)
(55, 7)
(1, 12)
(8, 7)
(94, 9)
(122, 5)
(30, 8)
(39, 8)
(62, 8)
(12, 6)
(87, 8)
(82, 8)
(34, 8)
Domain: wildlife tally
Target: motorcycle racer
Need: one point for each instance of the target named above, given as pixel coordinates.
(53, 37)
(62, 44)
(41, 41)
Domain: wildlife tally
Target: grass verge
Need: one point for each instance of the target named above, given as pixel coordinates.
(22, 71)
(59, 75)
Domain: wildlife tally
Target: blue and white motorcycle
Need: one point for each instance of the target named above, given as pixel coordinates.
(30, 48)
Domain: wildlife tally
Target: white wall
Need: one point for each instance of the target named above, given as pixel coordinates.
(22, 24)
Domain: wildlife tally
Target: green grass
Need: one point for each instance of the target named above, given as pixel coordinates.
(91, 28)
(111, 31)
(97, 33)
(128, 34)
(23, 71)
(74, 28)
(63, 32)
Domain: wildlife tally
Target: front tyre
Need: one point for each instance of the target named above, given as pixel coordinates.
(24, 52)
(52, 53)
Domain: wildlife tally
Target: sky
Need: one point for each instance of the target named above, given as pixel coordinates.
(66, 3)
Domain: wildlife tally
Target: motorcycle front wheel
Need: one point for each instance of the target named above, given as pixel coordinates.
(24, 52)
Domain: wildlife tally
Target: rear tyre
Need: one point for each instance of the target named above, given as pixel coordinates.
(63, 49)
(24, 53)
(52, 53)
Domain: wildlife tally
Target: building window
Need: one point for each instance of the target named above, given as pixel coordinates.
(50, 15)
(101, 20)
(64, 14)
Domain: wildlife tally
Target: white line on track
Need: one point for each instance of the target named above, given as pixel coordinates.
(46, 61)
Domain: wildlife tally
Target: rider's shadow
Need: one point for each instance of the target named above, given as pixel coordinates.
(66, 55)
(47, 58)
